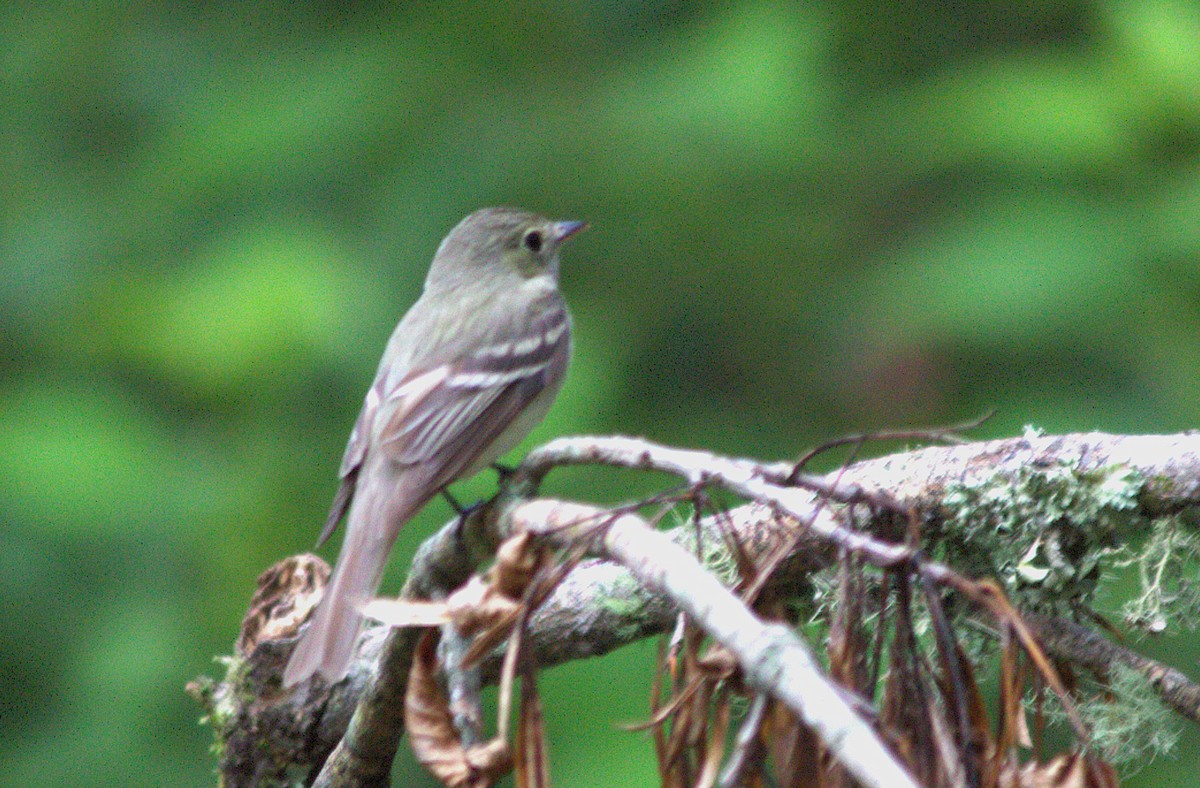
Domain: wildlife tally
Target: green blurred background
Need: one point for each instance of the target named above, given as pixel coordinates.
(807, 219)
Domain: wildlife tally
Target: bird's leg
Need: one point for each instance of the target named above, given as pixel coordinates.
(463, 512)
(503, 471)
(454, 504)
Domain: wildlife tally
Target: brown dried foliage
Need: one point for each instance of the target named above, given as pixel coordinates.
(934, 714)
(489, 611)
(430, 727)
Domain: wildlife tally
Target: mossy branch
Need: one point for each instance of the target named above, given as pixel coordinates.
(1043, 515)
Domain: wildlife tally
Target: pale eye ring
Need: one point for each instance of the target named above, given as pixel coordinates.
(533, 241)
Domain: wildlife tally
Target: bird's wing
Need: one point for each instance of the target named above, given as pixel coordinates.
(458, 418)
(450, 415)
(402, 395)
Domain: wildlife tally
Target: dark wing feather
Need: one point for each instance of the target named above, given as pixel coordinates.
(341, 503)
(479, 397)
(352, 459)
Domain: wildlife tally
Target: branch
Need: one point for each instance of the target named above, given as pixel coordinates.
(1066, 639)
(1170, 465)
(1164, 476)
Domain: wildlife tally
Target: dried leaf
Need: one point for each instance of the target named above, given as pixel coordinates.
(1070, 770)
(427, 718)
(980, 741)
(656, 692)
(847, 646)
(492, 612)
(1010, 719)
(430, 728)
(532, 751)
(710, 767)
(949, 763)
(989, 593)
(661, 713)
(1024, 738)
(748, 756)
(478, 605)
(407, 612)
(717, 663)
(906, 702)
(682, 726)
(795, 751)
(517, 560)
(489, 761)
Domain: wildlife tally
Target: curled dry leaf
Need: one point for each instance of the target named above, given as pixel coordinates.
(517, 559)
(490, 761)
(478, 605)
(490, 610)
(284, 597)
(430, 728)
(427, 718)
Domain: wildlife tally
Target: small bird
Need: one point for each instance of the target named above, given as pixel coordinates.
(471, 368)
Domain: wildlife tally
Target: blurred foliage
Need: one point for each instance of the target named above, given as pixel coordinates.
(808, 219)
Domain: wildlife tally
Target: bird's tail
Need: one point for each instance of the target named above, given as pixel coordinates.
(376, 515)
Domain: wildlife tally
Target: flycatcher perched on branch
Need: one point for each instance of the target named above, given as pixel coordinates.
(467, 373)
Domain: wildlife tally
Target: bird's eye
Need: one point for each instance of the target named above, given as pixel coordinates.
(533, 241)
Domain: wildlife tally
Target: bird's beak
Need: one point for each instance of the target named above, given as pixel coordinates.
(564, 230)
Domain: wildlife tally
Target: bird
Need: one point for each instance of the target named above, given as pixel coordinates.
(469, 371)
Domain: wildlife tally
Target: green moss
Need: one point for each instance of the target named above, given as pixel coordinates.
(220, 711)
(1129, 723)
(1167, 564)
(1042, 532)
(714, 554)
(623, 598)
